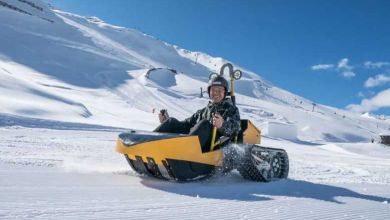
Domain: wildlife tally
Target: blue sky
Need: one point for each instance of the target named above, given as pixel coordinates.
(335, 53)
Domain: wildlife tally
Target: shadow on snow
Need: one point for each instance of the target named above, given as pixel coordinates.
(252, 191)
(9, 120)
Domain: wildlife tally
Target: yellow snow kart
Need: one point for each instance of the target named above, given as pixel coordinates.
(180, 157)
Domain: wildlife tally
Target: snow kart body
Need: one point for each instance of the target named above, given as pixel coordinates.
(180, 158)
(167, 156)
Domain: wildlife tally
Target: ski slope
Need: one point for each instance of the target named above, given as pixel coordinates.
(70, 84)
(73, 172)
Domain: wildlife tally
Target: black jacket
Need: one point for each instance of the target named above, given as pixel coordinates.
(229, 112)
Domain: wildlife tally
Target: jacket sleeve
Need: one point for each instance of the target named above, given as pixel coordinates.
(232, 123)
(191, 121)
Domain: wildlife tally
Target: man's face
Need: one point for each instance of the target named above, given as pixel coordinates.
(217, 93)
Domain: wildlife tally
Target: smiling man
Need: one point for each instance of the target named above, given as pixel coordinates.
(219, 112)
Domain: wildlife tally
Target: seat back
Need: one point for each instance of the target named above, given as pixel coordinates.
(249, 134)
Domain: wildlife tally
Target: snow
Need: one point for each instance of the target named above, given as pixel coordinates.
(282, 130)
(70, 84)
(75, 173)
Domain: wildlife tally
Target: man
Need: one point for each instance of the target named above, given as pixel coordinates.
(219, 112)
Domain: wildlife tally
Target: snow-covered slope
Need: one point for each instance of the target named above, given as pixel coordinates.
(73, 172)
(61, 66)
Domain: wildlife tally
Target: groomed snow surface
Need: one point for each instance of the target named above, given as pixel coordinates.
(73, 172)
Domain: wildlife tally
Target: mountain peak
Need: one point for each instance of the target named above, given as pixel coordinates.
(62, 66)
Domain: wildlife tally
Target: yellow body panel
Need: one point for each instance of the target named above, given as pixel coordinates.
(179, 148)
(251, 135)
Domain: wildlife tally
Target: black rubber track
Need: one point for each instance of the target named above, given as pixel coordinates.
(248, 169)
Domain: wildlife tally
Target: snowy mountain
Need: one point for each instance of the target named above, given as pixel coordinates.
(61, 66)
(70, 84)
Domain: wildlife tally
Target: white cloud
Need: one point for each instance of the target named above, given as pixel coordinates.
(375, 65)
(377, 81)
(341, 67)
(361, 94)
(381, 100)
(343, 64)
(348, 74)
(322, 66)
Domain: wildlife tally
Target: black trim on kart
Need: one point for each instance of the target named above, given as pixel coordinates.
(178, 170)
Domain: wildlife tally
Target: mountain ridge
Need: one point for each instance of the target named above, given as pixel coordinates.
(80, 69)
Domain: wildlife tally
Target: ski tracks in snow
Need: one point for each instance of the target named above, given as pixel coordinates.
(76, 174)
